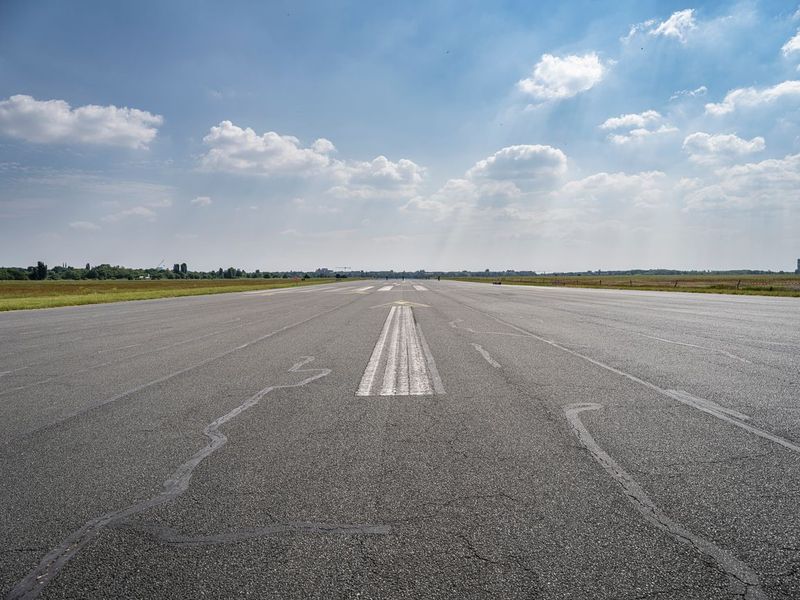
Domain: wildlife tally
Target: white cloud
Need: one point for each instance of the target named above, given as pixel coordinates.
(753, 97)
(631, 121)
(455, 196)
(556, 78)
(380, 176)
(643, 189)
(792, 46)
(54, 121)
(201, 201)
(676, 26)
(237, 150)
(84, 226)
(700, 91)
(640, 134)
(509, 175)
(640, 126)
(772, 183)
(705, 148)
(524, 166)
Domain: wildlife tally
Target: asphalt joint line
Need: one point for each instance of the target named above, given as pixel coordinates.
(743, 581)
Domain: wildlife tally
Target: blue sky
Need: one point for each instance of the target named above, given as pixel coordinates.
(436, 135)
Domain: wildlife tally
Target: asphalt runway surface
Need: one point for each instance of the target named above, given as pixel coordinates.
(388, 439)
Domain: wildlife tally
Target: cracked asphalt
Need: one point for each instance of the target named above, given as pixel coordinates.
(214, 446)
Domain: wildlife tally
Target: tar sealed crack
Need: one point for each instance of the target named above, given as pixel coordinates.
(743, 581)
(32, 585)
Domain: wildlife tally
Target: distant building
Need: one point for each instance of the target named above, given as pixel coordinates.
(323, 272)
(797, 270)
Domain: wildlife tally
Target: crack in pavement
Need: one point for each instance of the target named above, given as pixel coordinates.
(34, 583)
(743, 580)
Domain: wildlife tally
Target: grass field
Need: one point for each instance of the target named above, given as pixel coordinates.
(762, 285)
(18, 295)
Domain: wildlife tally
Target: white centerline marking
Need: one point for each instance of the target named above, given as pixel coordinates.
(364, 289)
(390, 373)
(408, 366)
(487, 356)
(420, 288)
(386, 288)
(375, 359)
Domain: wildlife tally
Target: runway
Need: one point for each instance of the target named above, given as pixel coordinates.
(403, 439)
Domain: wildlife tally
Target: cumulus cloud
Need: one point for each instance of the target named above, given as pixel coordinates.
(511, 174)
(631, 121)
(792, 46)
(752, 97)
(84, 226)
(767, 184)
(556, 78)
(640, 126)
(677, 26)
(378, 176)
(640, 134)
(455, 196)
(233, 149)
(523, 165)
(237, 150)
(705, 148)
(643, 189)
(201, 201)
(54, 121)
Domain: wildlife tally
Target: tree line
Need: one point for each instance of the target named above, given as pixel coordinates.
(41, 271)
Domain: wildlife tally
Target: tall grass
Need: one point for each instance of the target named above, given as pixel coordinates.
(20, 295)
(761, 285)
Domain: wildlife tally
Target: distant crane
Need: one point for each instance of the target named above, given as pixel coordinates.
(344, 269)
(161, 264)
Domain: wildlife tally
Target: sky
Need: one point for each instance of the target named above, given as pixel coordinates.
(437, 135)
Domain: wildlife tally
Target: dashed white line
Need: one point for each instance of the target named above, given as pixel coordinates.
(386, 288)
(364, 289)
(487, 356)
(420, 288)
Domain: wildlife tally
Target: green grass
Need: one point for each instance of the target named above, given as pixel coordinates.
(760, 285)
(22, 295)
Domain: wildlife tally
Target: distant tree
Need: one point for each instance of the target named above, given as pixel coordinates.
(88, 266)
(220, 272)
(184, 269)
(41, 271)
